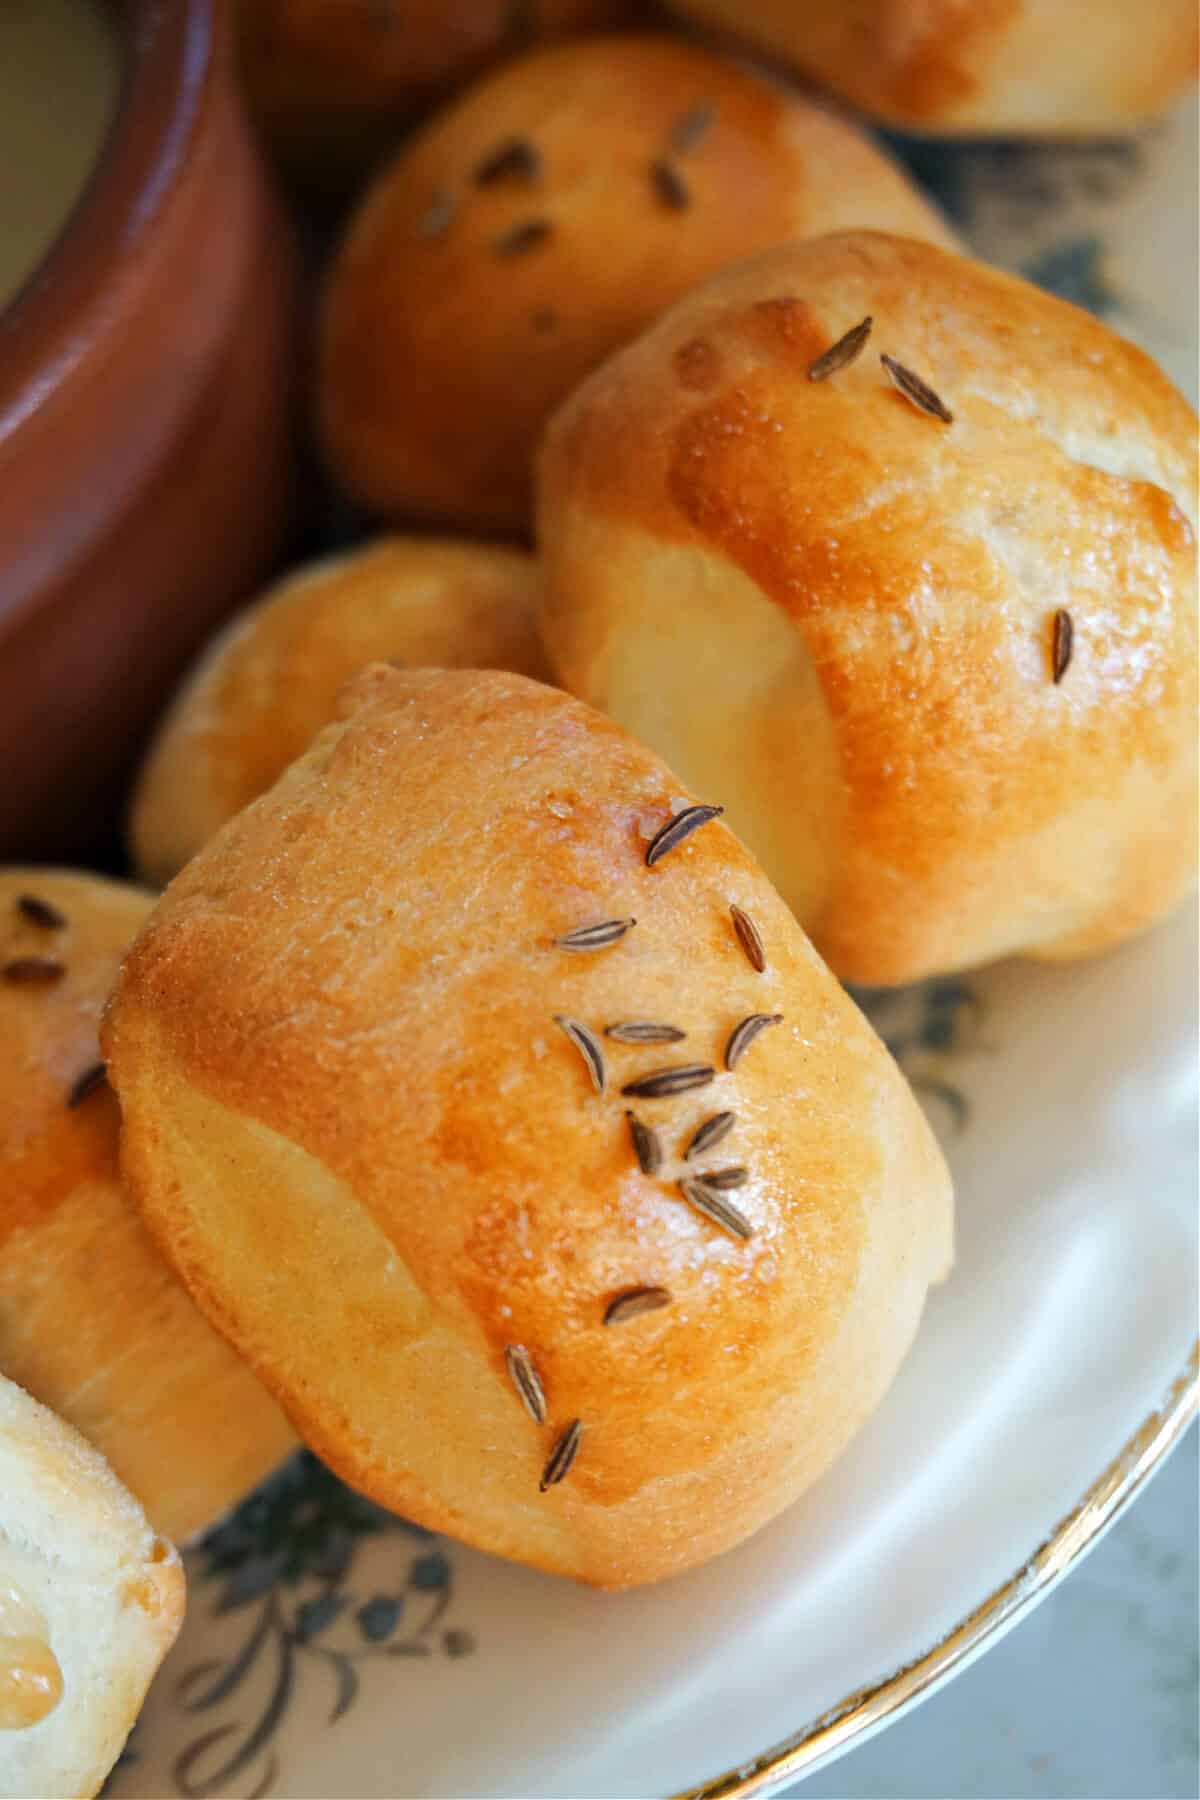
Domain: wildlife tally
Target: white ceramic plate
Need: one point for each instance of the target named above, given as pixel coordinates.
(331, 1650)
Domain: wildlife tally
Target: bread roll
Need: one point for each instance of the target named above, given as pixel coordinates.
(944, 672)
(358, 1047)
(91, 1320)
(90, 1603)
(547, 217)
(334, 82)
(270, 681)
(1050, 67)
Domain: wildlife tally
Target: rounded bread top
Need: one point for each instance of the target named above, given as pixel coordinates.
(845, 592)
(370, 989)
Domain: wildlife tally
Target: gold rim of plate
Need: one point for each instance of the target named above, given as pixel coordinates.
(884, 1701)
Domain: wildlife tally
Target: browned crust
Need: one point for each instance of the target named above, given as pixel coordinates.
(964, 803)
(1051, 66)
(92, 1322)
(346, 1006)
(267, 684)
(443, 351)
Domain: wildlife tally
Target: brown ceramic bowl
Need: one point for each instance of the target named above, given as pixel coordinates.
(145, 376)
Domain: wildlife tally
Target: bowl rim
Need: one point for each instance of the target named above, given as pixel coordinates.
(60, 314)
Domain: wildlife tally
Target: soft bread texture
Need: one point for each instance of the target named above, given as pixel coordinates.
(354, 1125)
(1050, 67)
(333, 84)
(445, 348)
(92, 1321)
(841, 611)
(270, 681)
(84, 1578)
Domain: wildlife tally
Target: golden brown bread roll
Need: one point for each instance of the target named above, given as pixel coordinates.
(546, 218)
(358, 1047)
(1050, 67)
(270, 681)
(334, 82)
(90, 1603)
(943, 671)
(91, 1320)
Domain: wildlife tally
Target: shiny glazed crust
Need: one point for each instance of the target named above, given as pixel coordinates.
(446, 346)
(1065, 67)
(837, 611)
(76, 1545)
(91, 1320)
(269, 682)
(354, 1125)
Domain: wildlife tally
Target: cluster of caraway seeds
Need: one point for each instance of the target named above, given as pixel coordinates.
(707, 1190)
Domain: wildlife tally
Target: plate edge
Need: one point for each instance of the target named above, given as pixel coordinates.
(867, 1709)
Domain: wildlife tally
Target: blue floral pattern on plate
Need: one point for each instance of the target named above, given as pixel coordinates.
(285, 1559)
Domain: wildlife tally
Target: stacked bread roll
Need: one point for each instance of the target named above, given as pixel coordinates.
(91, 1321)
(901, 553)
(1063, 68)
(480, 1086)
(538, 224)
(270, 681)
